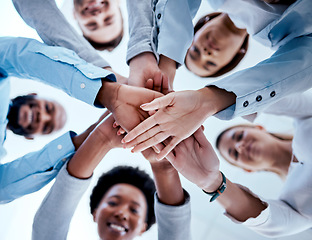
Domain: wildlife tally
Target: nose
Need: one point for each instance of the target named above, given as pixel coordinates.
(45, 117)
(207, 51)
(239, 146)
(122, 214)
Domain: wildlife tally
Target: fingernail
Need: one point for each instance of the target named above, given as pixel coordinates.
(123, 141)
(143, 105)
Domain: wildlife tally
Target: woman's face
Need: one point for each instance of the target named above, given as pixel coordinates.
(214, 46)
(99, 20)
(122, 213)
(247, 147)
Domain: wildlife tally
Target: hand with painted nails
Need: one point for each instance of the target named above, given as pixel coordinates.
(179, 115)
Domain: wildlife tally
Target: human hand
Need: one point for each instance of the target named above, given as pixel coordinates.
(179, 115)
(164, 165)
(196, 160)
(168, 68)
(143, 68)
(120, 79)
(124, 102)
(107, 133)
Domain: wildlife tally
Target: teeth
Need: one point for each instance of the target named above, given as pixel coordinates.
(30, 116)
(118, 228)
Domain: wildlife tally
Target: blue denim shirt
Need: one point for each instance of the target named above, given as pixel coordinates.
(288, 71)
(56, 66)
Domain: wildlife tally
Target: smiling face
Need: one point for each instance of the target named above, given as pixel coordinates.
(121, 214)
(214, 46)
(99, 20)
(40, 116)
(248, 147)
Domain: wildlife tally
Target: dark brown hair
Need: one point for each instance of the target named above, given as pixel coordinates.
(236, 59)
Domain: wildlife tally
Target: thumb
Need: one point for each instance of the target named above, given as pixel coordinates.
(201, 138)
(158, 103)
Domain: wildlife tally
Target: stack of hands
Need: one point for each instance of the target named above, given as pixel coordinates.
(162, 124)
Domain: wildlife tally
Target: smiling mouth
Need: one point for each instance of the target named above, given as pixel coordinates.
(118, 228)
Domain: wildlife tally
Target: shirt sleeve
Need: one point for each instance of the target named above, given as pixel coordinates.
(278, 219)
(286, 72)
(175, 27)
(54, 215)
(174, 222)
(56, 66)
(33, 171)
(297, 106)
(142, 35)
(45, 17)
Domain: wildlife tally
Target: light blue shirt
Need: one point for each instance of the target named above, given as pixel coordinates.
(288, 71)
(56, 66)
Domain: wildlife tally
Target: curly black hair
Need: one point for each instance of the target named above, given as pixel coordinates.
(129, 175)
(13, 113)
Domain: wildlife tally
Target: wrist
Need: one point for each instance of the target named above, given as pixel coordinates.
(144, 58)
(107, 94)
(163, 169)
(214, 99)
(213, 183)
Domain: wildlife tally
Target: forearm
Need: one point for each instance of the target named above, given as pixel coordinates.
(239, 203)
(168, 185)
(168, 67)
(214, 99)
(79, 139)
(46, 18)
(89, 155)
(286, 72)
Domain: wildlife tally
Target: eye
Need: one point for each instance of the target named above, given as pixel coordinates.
(112, 203)
(105, 3)
(48, 108)
(196, 50)
(133, 210)
(235, 154)
(211, 63)
(92, 26)
(240, 136)
(47, 128)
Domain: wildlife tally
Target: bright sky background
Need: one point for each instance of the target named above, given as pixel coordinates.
(208, 221)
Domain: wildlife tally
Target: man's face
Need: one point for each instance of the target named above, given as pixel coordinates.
(99, 20)
(40, 116)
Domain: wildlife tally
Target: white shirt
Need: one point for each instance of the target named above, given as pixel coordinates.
(292, 212)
